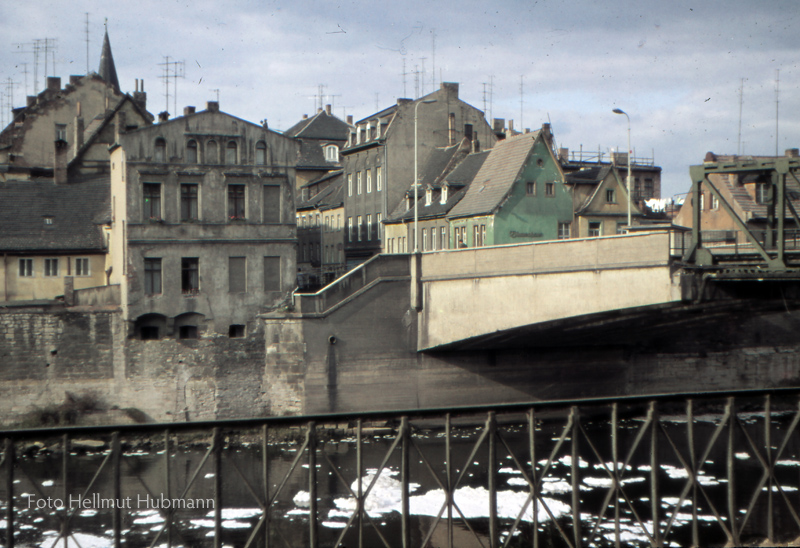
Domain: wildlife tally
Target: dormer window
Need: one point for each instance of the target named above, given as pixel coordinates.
(428, 196)
(61, 132)
(332, 153)
(409, 202)
(444, 194)
(358, 136)
(48, 221)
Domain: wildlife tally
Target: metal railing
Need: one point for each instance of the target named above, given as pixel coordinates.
(601, 472)
(733, 243)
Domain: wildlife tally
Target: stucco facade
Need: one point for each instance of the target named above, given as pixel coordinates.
(203, 224)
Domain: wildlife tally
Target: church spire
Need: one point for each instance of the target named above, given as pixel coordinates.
(107, 70)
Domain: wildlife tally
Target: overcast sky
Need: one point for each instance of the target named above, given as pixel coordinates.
(674, 66)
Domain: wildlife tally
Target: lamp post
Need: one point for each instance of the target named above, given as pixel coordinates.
(630, 153)
(416, 174)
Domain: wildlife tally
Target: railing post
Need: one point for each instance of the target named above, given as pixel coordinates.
(491, 426)
(265, 475)
(732, 510)
(404, 479)
(10, 459)
(116, 515)
(576, 484)
(217, 441)
(655, 499)
(65, 477)
(693, 464)
(313, 540)
(534, 488)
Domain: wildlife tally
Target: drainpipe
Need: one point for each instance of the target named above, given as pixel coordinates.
(5, 277)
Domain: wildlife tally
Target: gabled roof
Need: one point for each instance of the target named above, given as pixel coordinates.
(321, 126)
(329, 197)
(77, 209)
(497, 176)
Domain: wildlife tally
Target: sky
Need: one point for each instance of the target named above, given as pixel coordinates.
(682, 70)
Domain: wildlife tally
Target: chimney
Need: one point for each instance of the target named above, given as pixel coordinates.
(77, 142)
(511, 127)
(74, 79)
(319, 110)
(350, 119)
(792, 153)
(498, 124)
(451, 129)
(30, 100)
(188, 110)
(60, 167)
(451, 88)
(305, 116)
(122, 123)
(476, 144)
(163, 116)
(212, 106)
(563, 154)
(54, 83)
(328, 110)
(139, 96)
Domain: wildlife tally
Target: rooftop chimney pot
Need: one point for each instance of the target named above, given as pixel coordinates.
(212, 106)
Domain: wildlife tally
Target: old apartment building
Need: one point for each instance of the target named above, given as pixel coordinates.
(378, 159)
(202, 224)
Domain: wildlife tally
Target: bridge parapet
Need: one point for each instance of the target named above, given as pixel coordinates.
(468, 293)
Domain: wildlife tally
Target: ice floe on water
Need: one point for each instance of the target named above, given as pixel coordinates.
(77, 540)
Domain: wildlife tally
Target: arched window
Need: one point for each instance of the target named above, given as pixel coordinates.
(261, 153)
(211, 153)
(230, 153)
(332, 153)
(160, 151)
(191, 152)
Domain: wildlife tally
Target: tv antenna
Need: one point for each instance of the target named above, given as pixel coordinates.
(174, 70)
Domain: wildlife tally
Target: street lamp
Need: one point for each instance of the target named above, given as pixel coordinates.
(416, 175)
(630, 153)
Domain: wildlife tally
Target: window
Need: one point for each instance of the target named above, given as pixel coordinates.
(424, 239)
(190, 275)
(236, 331)
(476, 236)
(332, 153)
(191, 152)
(61, 132)
(649, 188)
(48, 221)
(378, 178)
(272, 273)
(369, 227)
(160, 153)
(468, 131)
(428, 196)
(358, 183)
(148, 332)
(637, 189)
(26, 268)
(550, 189)
(530, 188)
(379, 226)
(610, 197)
(51, 267)
(564, 230)
(188, 202)
(433, 239)
(211, 153)
(443, 199)
(702, 201)
(152, 201)
(272, 204)
(443, 236)
(358, 227)
(621, 228)
(338, 221)
(369, 181)
(595, 229)
(714, 202)
(237, 274)
(152, 276)
(261, 153)
(349, 229)
(231, 153)
(349, 184)
(236, 202)
(762, 193)
(82, 266)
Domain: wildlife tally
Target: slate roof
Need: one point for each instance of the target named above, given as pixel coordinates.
(77, 209)
(593, 175)
(496, 176)
(329, 197)
(107, 69)
(321, 126)
(458, 179)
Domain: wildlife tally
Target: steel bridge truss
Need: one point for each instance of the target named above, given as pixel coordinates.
(771, 247)
(588, 473)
